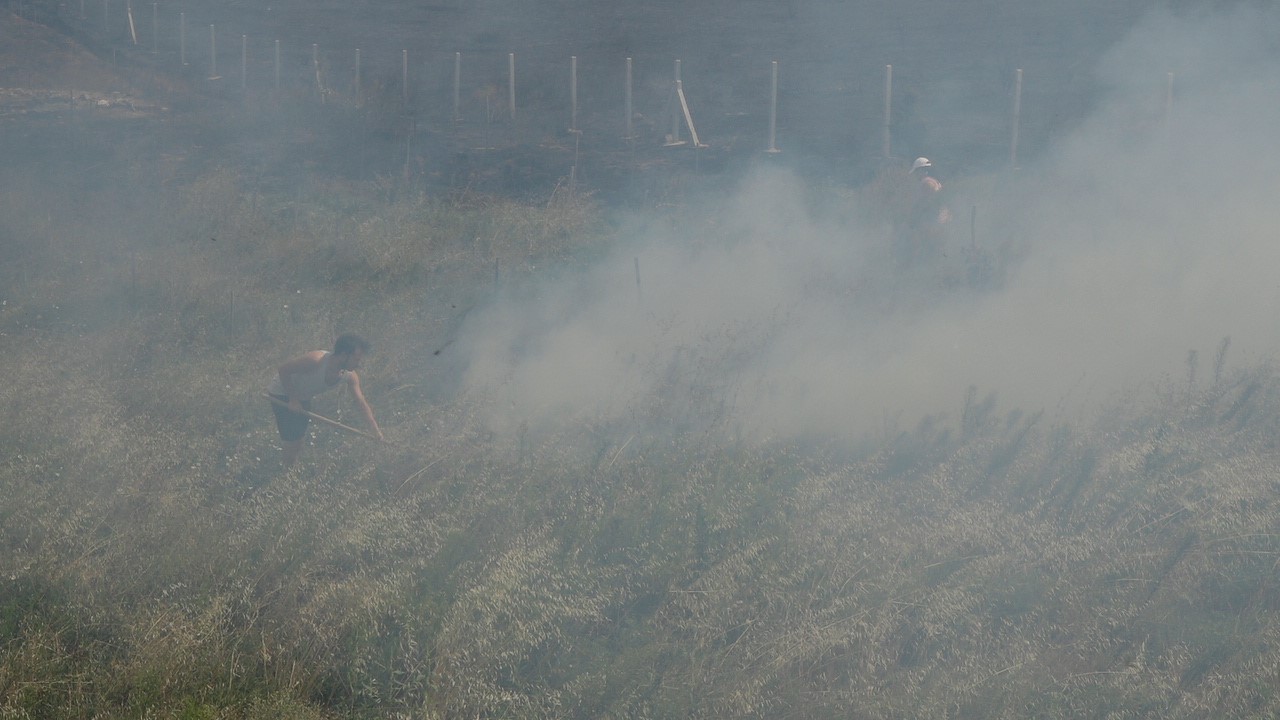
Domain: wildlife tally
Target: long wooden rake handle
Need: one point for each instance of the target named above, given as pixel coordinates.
(327, 421)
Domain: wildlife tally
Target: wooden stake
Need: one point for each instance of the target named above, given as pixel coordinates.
(133, 31)
(688, 118)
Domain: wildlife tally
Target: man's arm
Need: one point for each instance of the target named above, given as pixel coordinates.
(298, 366)
(364, 404)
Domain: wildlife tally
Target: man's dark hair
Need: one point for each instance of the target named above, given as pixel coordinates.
(349, 343)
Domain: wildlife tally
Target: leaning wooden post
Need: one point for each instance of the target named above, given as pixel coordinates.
(182, 38)
(1017, 118)
(244, 62)
(357, 80)
(128, 11)
(888, 110)
(773, 111)
(277, 67)
(688, 117)
(511, 83)
(155, 29)
(404, 76)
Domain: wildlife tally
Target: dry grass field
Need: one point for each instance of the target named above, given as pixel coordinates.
(157, 562)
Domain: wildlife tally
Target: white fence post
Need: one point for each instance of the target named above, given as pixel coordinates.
(457, 86)
(213, 54)
(511, 83)
(1017, 118)
(627, 103)
(675, 109)
(888, 111)
(773, 111)
(573, 93)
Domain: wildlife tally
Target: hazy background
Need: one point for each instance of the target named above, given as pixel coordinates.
(1133, 240)
(953, 83)
(761, 301)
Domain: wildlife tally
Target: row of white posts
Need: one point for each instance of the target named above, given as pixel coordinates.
(679, 106)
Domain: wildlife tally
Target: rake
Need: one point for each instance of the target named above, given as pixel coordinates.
(334, 423)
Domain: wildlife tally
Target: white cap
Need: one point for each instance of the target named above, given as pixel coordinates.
(921, 162)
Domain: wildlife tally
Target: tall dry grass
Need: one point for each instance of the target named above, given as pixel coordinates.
(156, 562)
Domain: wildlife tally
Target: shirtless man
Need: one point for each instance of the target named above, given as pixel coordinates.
(306, 376)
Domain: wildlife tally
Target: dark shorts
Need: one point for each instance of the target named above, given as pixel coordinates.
(292, 425)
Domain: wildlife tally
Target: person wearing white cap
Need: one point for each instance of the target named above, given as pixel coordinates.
(926, 213)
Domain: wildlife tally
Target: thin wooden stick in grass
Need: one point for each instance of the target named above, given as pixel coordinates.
(328, 421)
(415, 475)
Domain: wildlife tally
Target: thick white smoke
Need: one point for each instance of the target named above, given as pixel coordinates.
(1149, 231)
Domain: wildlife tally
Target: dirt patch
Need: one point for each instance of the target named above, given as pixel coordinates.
(43, 71)
(35, 57)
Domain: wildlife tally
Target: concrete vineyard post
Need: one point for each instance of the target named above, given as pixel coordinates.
(887, 140)
(213, 53)
(573, 93)
(1017, 118)
(511, 83)
(457, 86)
(773, 111)
(627, 102)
